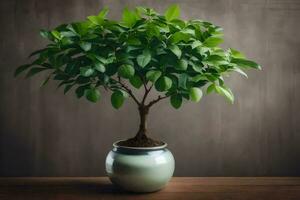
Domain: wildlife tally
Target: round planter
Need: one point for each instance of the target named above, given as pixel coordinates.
(140, 169)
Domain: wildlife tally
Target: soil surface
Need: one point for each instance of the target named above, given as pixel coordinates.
(141, 142)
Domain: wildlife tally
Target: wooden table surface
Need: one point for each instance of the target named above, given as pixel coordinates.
(187, 188)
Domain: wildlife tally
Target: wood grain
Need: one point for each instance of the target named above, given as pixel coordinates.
(217, 188)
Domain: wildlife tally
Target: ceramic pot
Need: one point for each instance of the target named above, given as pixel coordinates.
(140, 169)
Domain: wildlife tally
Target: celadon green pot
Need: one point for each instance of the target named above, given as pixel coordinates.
(140, 169)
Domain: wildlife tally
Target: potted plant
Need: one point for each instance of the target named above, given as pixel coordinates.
(175, 57)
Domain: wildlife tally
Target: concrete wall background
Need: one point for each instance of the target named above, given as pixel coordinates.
(44, 133)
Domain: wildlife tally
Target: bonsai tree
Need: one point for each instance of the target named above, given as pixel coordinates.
(145, 50)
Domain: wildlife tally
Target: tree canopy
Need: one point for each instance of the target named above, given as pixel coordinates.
(144, 49)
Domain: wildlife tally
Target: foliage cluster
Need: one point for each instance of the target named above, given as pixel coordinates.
(145, 49)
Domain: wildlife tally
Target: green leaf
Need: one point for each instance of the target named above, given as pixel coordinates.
(68, 34)
(129, 18)
(226, 92)
(195, 94)
(136, 81)
(196, 44)
(212, 41)
(80, 28)
(86, 71)
(245, 63)
(144, 58)
(211, 77)
(67, 88)
(101, 59)
(103, 12)
(99, 67)
(96, 20)
(117, 99)
(179, 36)
(176, 100)
(173, 12)
(210, 88)
(199, 77)
(182, 80)
(236, 54)
(56, 34)
(92, 95)
(214, 58)
(182, 65)
(153, 30)
(45, 34)
(153, 75)
(126, 71)
(21, 69)
(34, 71)
(45, 81)
(66, 41)
(175, 49)
(238, 70)
(163, 83)
(86, 46)
(196, 67)
(81, 90)
(71, 69)
(141, 10)
(133, 41)
(40, 51)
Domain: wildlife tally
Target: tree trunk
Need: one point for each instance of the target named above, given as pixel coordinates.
(141, 134)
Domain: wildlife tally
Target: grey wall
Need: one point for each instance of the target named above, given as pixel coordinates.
(44, 133)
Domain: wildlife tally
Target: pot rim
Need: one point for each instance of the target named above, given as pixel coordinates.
(115, 145)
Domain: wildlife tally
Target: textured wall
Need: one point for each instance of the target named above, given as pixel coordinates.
(44, 133)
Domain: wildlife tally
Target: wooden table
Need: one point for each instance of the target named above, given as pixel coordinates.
(187, 188)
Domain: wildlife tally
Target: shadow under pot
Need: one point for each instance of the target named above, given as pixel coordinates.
(140, 169)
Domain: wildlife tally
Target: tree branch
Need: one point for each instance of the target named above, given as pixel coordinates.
(145, 86)
(151, 103)
(147, 90)
(128, 90)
